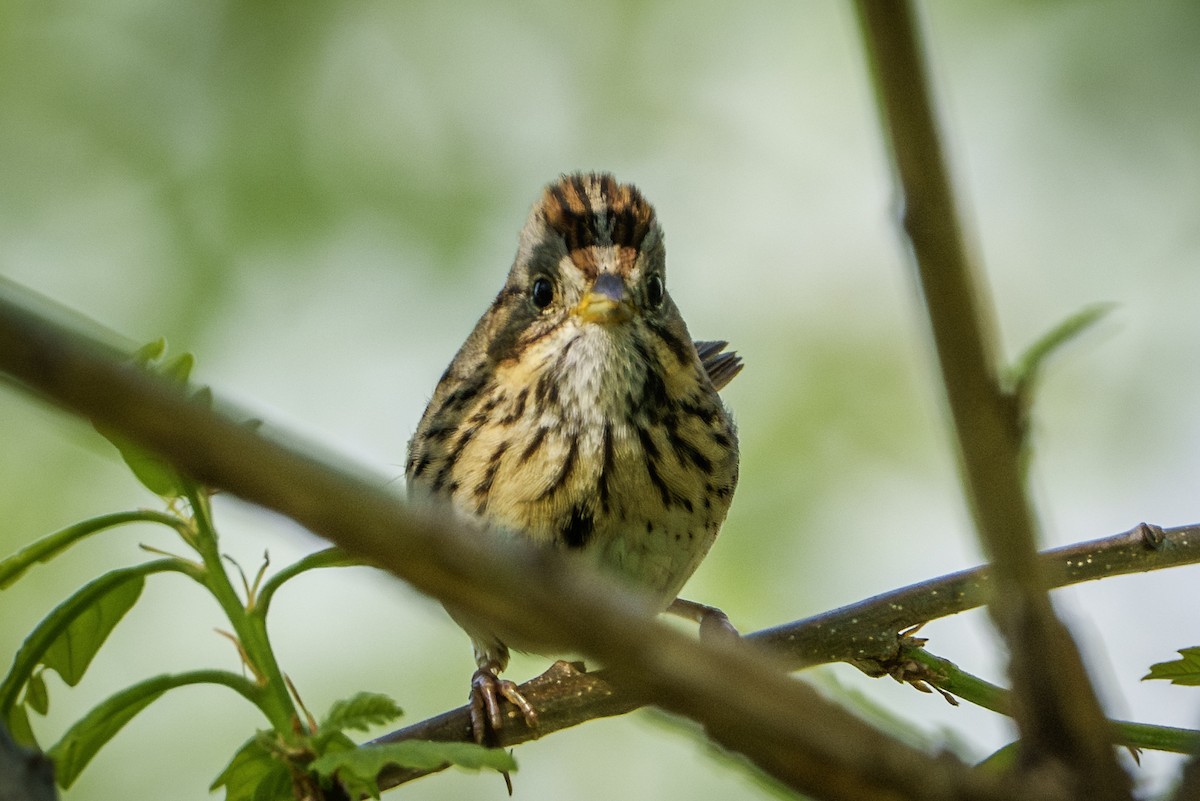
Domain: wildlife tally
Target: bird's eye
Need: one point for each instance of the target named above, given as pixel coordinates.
(541, 293)
(655, 290)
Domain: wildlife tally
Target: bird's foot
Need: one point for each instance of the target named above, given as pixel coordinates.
(714, 624)
(487, 719)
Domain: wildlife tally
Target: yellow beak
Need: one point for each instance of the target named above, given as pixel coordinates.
(605, 303)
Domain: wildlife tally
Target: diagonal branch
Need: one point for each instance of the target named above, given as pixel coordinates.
(863, 633)
(745, 701)
(1055, 707)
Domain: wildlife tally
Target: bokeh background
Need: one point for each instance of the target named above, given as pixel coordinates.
(319, 199)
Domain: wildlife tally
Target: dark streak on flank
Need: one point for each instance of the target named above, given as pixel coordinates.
(685, 449)
(485, 486)
(652, 456)
(533, 445)
(647, 441)
(439, 480)
(579, 529)
(518, 408)
(663, 490)
(564, 471)
(464, 439)
(559, 368)
(459, 398)
(439, 432)
(545, 392)
(418, 466)
(706, 412)
(485, 411)
(607, 465)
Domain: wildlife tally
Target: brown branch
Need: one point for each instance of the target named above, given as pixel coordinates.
(745, 702)
(866, 631)
(1055, 706)
(863, 633)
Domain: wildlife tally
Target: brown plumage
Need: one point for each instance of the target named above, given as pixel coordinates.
(580, 414)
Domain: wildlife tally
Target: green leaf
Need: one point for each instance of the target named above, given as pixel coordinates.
(1025, 369)
(150, 353)
(36, 697)
(255, 774)
(1185, 671)
(360, 766)
(275, 786)
(179, 368)
(360, 712)
(153, 472)
(79, 640)
(1002, 760)
(17, 721)
(50, 546)
(82, 741)
(204, 397)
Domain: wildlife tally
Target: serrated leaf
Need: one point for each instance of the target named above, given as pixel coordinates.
(1184, 671)
(17, 721)
(73, 650)
(362, 765)
(255, 774)
(360, 712)
(36, 697)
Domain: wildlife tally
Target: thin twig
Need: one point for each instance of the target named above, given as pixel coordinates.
(1055, 706)
(866, 631)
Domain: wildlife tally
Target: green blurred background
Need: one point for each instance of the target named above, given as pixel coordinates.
(319, 199)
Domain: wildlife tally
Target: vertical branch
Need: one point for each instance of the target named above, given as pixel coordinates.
(1056, 710)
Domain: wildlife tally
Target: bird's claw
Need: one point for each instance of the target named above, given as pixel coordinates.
(486, 717)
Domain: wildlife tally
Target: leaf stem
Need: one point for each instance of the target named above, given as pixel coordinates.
(330, 557)
(251, 629)
(945, 675)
